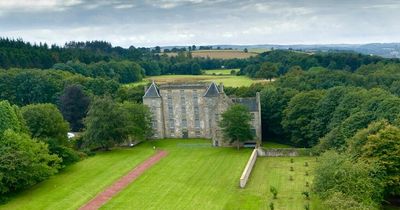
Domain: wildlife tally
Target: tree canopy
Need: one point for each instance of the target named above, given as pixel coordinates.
(236, 125)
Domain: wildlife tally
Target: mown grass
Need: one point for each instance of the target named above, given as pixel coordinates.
(228, 80)
(194, 175)
(80, 182)
(275, 171)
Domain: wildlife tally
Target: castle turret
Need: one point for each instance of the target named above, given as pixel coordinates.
(153, 100)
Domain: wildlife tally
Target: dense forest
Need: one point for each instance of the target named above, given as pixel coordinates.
(343, 105)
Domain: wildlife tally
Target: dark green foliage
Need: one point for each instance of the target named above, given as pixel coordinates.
(298, 118)
(380, 144)
(130, 93)
(307, 206)
(271, 206)
(8, 118)
(274, 192)
(273, 102)
(340, 201)
(67, 154)
(137, 121)
(306, 195)
(23, 86)
(24, 162)
(235, 124)
(45, 121)
(103, 124)
(74, 104)
(267, 71)
(356, 180)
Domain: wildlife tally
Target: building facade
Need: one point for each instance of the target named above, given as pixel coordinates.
(194, 110)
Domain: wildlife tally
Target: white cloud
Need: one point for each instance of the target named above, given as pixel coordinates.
(7, 6)
(124, 6)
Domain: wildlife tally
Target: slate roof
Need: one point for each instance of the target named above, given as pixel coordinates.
(152, 92)
(250, 103)
(212, 91)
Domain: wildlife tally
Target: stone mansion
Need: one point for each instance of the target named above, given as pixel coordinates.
(193, 110)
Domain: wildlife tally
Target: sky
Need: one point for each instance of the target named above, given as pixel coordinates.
(147, 23)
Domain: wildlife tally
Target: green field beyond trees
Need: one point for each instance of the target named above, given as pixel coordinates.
(227, 80)
(194, 175)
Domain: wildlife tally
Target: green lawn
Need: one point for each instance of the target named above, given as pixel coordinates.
(275, 171)
(79, 182)
(273, 145)
(194, 175)
(220, 71)
(228, 80)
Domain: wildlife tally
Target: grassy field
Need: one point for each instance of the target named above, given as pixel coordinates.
(80, 182)
(223, 54)
(220, 71)
(220, 54)
(275, 171)
(228, 80)
(194, 175)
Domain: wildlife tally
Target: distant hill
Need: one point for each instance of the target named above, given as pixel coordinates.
(387, 50)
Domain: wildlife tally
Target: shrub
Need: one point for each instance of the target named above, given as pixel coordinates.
(307, 206)
(306, 164)
(306, 195)
(291, 168)
(24, 162)
(274, 192)
(271, 206)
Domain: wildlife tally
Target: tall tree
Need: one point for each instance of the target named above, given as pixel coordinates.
(46, 121)
(104, 124)
(74, 105)
(268, 71)
(8, 118)
(138, 121)
(235, 124)
(24, 162)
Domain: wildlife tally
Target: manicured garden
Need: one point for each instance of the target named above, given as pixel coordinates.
(80, 182)
(290, 180)
(193, 175)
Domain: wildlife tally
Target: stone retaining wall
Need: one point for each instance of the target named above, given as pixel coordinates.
(247, 170)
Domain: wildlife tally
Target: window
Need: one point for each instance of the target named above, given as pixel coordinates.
(171, 123)
(197, 123)
(184, 123)
(197, 133)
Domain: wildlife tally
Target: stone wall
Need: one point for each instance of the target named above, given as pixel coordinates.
(247, 170)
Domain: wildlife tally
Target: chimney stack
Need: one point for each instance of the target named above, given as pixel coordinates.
(221, 87)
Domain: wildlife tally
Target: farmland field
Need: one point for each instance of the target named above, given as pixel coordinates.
(220, 71)
(219, 54)
(193, 175)
(223, 54)
(228, 80)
